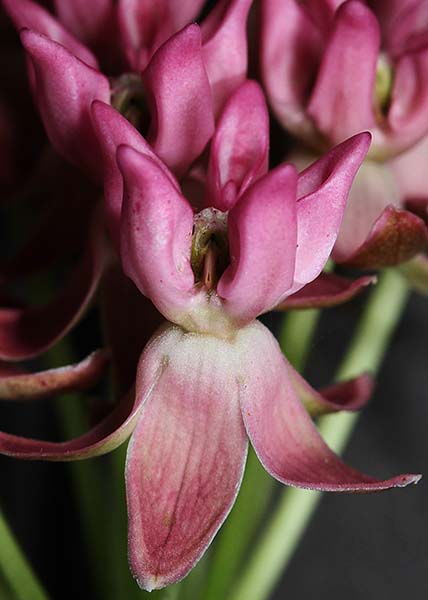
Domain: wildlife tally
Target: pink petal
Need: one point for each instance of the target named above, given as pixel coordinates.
(404, 24)
(179, 95)
(285, 438)
(113, 130)
(322, 191)
(145, 25)
(186, 457)
(410, 171)
(86, 20)
(262, 245)
(396, 237)
(28, 14)
(224, 34)
(65, 88)
(325, 291)
(289, 39)
(349, 395)
(156, 234)
(27, 332)
(322, 11)
(240, 146)
(373, 190)
(32, 386)
(342, 101)
(407, 118)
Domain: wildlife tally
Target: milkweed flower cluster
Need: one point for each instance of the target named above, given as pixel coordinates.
(170, 189)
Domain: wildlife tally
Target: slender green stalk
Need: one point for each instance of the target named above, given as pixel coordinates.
(296, 507)
(296, 335)
(16, 569)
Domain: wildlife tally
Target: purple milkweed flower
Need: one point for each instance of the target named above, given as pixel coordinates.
(333, 68)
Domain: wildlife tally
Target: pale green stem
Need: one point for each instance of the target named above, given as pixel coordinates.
(16, 569)
(296, 335)
(296, 506)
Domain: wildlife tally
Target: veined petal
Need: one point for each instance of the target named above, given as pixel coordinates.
(156, 234)
(262, 245)
(27, 332)
(65, 89)
(322, 191)
(240, 146)
(224, 34)
(342, 100)
(396, 237)
(289, 39)
(186, 457)
(145, 25)
(285, 438)
(30, 15)
(349, 395)
(179, 95)
(33, 386)
(113, 130)
(327, 290)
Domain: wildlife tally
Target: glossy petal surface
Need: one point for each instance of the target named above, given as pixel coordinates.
(186, 457)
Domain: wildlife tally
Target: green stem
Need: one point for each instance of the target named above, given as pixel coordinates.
(16, 569)
(296, 335)
(296, 506)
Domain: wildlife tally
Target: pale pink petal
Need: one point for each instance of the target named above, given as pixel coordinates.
(156, 234)
(289, 40)
(396, 237)
(32, 386)
(186, 457)
(341, 103)
(145, 25)
(224, 34)
(179, 96)
(113, 130)
(411, 172)
(65, 89)
(285, 438)
(27, 332)
(30, 15)
(240, 146)
(322, 191)
(262, 244)
(351, 395)
(327, 290)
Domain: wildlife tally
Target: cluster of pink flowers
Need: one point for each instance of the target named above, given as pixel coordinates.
(158, 169)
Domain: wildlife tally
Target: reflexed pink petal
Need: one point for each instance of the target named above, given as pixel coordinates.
(342, 101)
(156, 234)
(27, 332)
(326, 290)
(347, 395)
(86, 20)
(262, 245)
(289, 39)
(396, 237)
(145, 25)
(322, 191)
(224, 34)
(32, 386)
(240, 146)
(130, 319)
(373, 190)
(407, 117)
(186, 457)
(65, 88)
(179, 95)
(113, 130)
(285, 438)
(416, 273)
(30, 15)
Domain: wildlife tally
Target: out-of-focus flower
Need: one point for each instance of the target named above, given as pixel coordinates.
(214, 375)
(332, 69)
